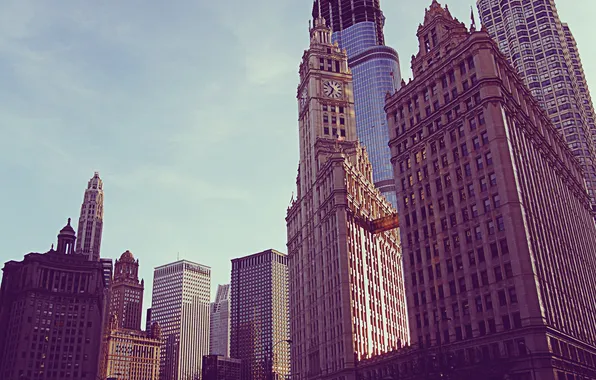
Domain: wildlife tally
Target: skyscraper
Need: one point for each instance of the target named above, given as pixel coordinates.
(126, 298)
(543, 51)
(346, 285)
(357, 26)
(259, 319)
(91, 219)
(51, 312)
(219, 336)
(180, 304)
(497, 230)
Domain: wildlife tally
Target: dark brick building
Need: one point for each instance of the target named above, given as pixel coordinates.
(51, 310)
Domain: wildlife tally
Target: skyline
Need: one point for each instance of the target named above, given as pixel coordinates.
(60, 125)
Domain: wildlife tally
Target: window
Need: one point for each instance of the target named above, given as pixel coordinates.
(504, 247)
(487, 205)
(471, 258)
(512, 295)
(484, 137)
(483, 184)
(502, 298)
(498, 274)
(508, 270)
(494, 252)
(489, 159)
(490, 226)
(476, 143)
(488, 301)
(497, 201)
(500, 224)
(493, 179)
(479, 163)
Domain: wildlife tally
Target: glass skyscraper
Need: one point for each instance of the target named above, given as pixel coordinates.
(358, 27)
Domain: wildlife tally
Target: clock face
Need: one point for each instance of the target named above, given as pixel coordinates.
(332, 89)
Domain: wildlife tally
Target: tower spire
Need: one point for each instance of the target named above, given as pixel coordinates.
(473, 26)
(91, 219)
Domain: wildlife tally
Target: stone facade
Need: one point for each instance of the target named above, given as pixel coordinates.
(91, 220)
(132, 354)
(346, 285)
(51, 313)
(126, 292)
(497, 229)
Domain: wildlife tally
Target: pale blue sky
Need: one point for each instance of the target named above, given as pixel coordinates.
(186, 108)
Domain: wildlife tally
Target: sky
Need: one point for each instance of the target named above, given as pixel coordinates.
(186, 108)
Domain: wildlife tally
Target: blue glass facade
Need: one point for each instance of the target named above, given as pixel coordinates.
(375, 70)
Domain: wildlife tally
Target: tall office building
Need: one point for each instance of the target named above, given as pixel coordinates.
(51, 313)
(91, 219)
(497, 230)
(357, 26)
(180, 305)
(219, 337)
(259, 320)
(126, 296)
(347, 298)
(543, 51)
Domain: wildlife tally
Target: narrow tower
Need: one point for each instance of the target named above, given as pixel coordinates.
(127, 292)
(91, 219)
(346, 284)
(357, 26)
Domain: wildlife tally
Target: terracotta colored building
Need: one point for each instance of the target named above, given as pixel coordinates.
(132, 354)
(51, 310)
(126, 292)
(497, 230)
(346, 284)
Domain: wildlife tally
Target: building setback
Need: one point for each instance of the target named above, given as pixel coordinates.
(219, 336)
(357, 26)
(132, 354)
(497, 230)
(91, 220)
(126, 294)
(51, 310)
(543, 51)
(346, 285)
(259, 319)
(180, 305)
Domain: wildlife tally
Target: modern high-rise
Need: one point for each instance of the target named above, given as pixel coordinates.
(357, 26)
(347, 299)
(259, 315)
(126, 292)
(217, 367)
(91, 220)
(51, 313)
(219, 337)
(496, 225)
(543, 51)
(180, 305)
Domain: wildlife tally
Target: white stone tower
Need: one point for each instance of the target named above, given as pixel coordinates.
(91, 220)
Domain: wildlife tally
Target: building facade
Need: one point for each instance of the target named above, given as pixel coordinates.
(347, 298)
(132, 354)
(358, 27)
(51, 310)
(91, 219)
(497, 231)
(259, 315)
(219, 336)
(126, 298)
(543, 51)
(217, 367)
(180, 305)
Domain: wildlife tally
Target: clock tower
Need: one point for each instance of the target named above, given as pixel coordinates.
(346, 284)
(325, 101)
